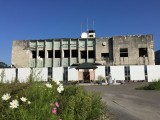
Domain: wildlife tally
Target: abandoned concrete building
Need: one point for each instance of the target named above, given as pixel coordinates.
(116, 50)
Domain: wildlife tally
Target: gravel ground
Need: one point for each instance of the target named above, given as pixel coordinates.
(126, 103)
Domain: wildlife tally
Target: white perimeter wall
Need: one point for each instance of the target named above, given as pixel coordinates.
(137, 72)
(153, 72)
(117, 72)
(40, 74)
(72, 74)
(100, 71)
(57, 73)
(24, 74)
(8, 75)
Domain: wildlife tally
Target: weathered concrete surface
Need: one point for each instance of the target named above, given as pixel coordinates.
(126, 103)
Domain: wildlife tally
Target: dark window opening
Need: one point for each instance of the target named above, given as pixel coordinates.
(83, 54)
(91, 54)
(105, 55)
(41, 53)
(90, 35)
(34, 54)
(66, 54)
(57, 54)
(123, 52)
(74, 53)
(143, 52)
(50, 53)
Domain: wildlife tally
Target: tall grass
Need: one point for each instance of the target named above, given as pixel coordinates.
(74, 103)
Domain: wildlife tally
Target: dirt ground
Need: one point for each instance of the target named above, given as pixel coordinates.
(126, 103)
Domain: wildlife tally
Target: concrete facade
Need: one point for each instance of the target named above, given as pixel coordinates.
(116, 50)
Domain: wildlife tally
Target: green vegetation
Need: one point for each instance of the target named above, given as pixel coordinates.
(49, 101)
(152, 86)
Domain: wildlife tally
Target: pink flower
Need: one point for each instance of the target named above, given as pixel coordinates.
(56, 104)
(54, 110)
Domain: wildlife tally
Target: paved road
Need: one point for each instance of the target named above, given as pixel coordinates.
(126, 103)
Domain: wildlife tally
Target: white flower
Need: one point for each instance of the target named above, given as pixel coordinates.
(23, 99)
(14, 104)
(60, 88)
(57, 82)
(29, 102)
(6, 97)
(48, 85)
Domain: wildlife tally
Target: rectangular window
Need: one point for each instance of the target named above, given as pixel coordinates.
(143, 52)
(66, 54)
(91, 54)
(74, 53)
(50, 53)
(83, 54)
(57, 53)
(104, 55)
(34, 54)
(41, 53)
(123, 52)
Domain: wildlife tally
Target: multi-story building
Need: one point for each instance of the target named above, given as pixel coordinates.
(116, 50)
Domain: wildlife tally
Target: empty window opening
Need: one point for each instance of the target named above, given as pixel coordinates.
(91, 54)
(50, 53)
(41, 53)
(143, 52)
(74, 53)
(104, 55)
(90, 35)
(123, 52)
(66, 54)
(34, 54)
(84, 54)
(57, 54)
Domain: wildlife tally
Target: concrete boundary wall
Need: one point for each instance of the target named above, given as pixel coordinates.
(149, 73)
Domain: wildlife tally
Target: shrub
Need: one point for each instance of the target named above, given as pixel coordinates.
(153, 86)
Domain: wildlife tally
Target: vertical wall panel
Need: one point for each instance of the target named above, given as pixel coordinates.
(72, 74)
(117, 72)
(57, 73)
(100, 71)
(24, 74)
(137, 72)
(153, 72)
(7, 75)
(40, 74)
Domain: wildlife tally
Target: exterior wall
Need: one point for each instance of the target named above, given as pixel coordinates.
(40, 74)
(153, 73)
(22, 51)
(133, 43)
(20, 54)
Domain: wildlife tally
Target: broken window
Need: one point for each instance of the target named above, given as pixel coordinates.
(66, 54)
(57, 53)
(83, 54)
(34, 54)
(143, 52)
(74, 53)
(104, 55)
(123, 52)
(50, 53)
(41, 53)
(91, 54)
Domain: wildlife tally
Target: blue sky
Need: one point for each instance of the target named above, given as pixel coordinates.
(40, 19)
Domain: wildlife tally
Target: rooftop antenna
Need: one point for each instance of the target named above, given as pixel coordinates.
(81, 27)
(87, 24)
(93, 24)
